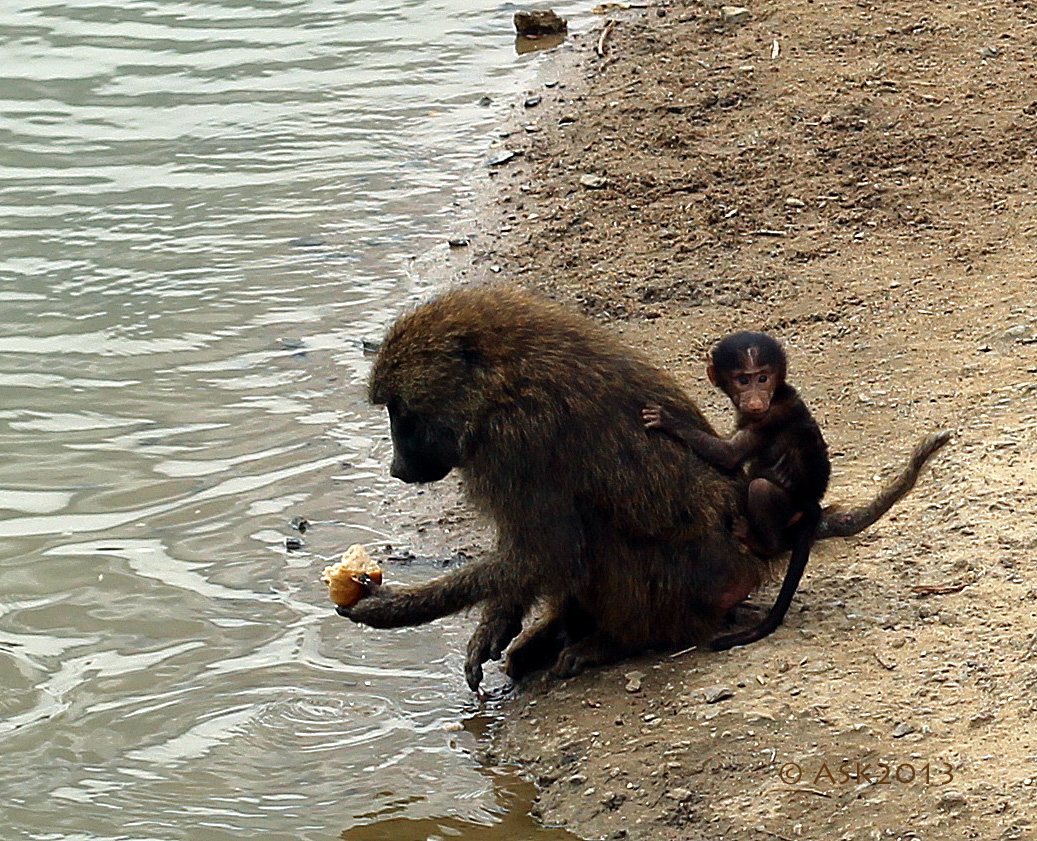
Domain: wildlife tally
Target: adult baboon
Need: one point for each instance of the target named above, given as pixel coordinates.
(623, 537)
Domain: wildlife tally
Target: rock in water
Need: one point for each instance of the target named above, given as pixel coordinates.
(537, 23)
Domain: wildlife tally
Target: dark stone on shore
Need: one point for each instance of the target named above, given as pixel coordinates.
(539, 22)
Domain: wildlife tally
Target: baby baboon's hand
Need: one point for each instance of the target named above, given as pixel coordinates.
(653, 416)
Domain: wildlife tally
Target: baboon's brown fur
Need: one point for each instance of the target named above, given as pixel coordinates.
(624, 538)
(590, 509)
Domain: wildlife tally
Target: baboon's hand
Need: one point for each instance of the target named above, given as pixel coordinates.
(499, 626)
(374, 607)
(569, 663)
(590, 651)
(654, 416)
(473, 671)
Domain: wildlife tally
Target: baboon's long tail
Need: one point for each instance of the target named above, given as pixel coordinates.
(839, 523)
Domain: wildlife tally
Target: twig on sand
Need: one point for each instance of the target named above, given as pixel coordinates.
(600, 48)
(937, 590)
(811, 791)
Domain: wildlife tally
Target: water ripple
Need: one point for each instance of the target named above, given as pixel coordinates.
(206, 208)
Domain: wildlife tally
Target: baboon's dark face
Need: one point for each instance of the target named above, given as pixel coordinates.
(424, 450)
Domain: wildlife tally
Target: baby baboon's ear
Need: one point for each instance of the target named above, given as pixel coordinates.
(711, 372)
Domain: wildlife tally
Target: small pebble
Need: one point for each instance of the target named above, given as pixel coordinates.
(503, 157)
(592, 181)
(718, 693)
(952, 801)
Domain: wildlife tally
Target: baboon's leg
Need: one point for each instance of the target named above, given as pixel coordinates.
(537, 647)
(802, 541)
(525, 564)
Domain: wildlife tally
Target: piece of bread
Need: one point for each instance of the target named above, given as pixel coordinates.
(342, 578)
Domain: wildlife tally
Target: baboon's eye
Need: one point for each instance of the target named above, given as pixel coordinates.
(404, 421)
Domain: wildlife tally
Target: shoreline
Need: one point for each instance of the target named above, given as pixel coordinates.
(856, 180)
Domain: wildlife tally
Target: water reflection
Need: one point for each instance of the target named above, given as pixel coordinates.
(207, 209)
(510, 819)
(525, 45)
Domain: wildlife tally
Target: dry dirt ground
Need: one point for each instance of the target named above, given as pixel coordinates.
(858, 179)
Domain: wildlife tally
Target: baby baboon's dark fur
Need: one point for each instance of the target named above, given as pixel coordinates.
(621, 537)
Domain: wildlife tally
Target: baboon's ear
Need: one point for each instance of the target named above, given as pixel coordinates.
(469, 351)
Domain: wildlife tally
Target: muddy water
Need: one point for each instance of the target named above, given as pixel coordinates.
(206, 207)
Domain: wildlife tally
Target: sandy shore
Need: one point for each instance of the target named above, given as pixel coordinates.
(857, 178)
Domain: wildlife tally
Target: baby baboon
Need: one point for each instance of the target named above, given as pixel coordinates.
(784, 456)
(625, 541)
